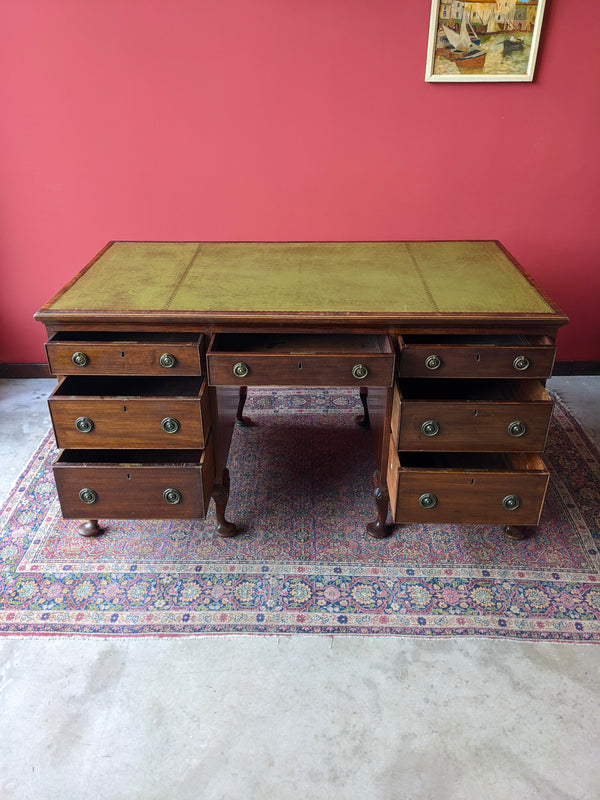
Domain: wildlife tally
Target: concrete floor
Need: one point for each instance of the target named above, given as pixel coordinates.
(292, 717)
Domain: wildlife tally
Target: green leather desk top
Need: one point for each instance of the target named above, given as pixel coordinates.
(373, 278)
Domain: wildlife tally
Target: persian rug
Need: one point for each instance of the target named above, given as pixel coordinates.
(303, 563)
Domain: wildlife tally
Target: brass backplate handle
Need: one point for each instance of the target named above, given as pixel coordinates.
(167, 360)
(80, 359)
(433, 362)
(511, 502)
(430, 428)
(240, 370)
(84, 424)
(172, 496)
(88, 496)
(428, 500)
(521, 363)
(359, 371)
(517, 428)
(170, 425)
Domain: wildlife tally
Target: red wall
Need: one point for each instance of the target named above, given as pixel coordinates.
(286, 119)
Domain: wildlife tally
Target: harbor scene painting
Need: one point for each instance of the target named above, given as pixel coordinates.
(491, 40)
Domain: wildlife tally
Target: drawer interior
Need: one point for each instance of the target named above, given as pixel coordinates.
(473, 462)
(477, 391)
(125, 337)
(129, 458)
(483, 340)
(130, 387)
(300, 344)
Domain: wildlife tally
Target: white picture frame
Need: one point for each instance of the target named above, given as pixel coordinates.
(467, 40)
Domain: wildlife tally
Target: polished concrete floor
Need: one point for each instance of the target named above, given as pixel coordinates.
(292, 717)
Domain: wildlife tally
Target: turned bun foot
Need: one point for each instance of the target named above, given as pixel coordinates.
(519, 532)
(226, 529)
(379, 530)
(90, 528)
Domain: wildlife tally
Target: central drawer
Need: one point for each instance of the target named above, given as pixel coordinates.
(300, 360)
(137, 412)
(126, 484)
(510, 416)
(466, 487)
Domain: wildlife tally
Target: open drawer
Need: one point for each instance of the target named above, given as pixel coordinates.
(466, 487)
(271, 359)
(486, 415)
(146, 412)
(146, 484)
(102, 353)
(439, 356)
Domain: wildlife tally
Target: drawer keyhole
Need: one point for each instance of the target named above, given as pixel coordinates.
(122, 354)
(299, 365)
(477, 357)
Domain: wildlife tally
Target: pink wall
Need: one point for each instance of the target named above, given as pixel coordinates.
(286, 119)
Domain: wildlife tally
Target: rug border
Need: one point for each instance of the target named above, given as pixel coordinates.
(162, 631)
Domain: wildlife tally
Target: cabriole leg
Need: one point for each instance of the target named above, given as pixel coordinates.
(363, 419)
(220, 495)
(379, 529)
(240, 420)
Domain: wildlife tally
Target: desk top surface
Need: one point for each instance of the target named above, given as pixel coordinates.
(325, 279)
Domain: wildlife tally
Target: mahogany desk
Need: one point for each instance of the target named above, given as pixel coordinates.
(154, 343)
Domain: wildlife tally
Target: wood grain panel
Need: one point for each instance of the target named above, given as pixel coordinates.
(130, 485)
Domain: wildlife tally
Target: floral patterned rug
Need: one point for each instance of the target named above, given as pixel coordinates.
(302, 563)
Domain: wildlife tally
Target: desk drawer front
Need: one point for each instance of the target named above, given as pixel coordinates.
(302, 360)
(145, 420)
(463, 491)
(476, 423)
(476, 357)
(126, 485)
(149, 354)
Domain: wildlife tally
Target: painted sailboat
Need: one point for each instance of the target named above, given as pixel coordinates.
(461, 49)
(459, 41)
(492, 24)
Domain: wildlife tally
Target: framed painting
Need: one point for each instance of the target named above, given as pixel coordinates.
(492, 40)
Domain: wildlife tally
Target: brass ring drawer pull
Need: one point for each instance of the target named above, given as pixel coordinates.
(84, 424)
(240, 370)
(80, 359)
(170, 425)
(167, 360)
(430, 428)
(511, 502)
(88, 496)
(172, 496)
(433, 362)
(521, 363)
(428, 500)
(359, 371)
(517, 428)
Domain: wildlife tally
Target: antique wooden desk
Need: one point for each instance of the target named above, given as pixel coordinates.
(154, 344)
